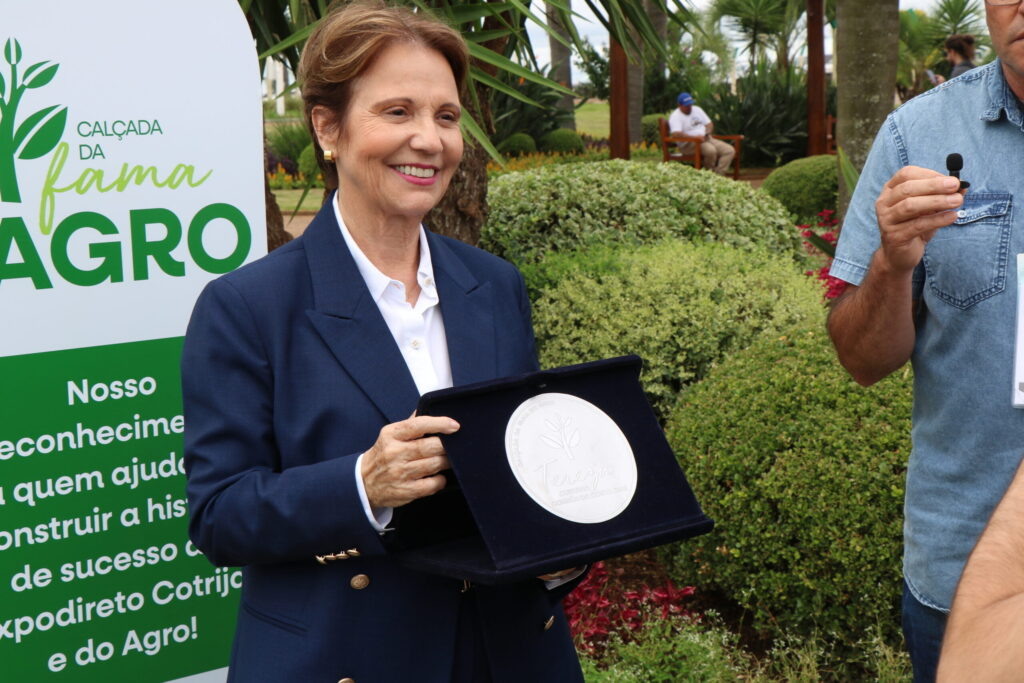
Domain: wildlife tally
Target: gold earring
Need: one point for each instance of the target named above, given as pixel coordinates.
(329, 156)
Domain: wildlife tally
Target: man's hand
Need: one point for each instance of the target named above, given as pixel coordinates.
(912, 206)
(404, 463)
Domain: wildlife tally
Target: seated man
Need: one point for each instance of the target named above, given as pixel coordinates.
(690, 120)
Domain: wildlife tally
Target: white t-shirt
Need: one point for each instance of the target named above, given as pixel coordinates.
(691, 124)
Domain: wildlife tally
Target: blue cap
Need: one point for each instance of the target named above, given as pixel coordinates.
(685, 99)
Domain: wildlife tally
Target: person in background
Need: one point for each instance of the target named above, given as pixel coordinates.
(934, 280)
(985, 637)
(959, 53)
(690, 120)
(300, 372)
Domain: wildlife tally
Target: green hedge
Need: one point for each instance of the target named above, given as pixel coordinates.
(562, 141)
(517, 144)
(805, 186)
(803, 472)
(574, 207)
(682, 307)
(649, 128)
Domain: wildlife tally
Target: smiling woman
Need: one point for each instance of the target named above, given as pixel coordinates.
(397, 145)
(300, 371)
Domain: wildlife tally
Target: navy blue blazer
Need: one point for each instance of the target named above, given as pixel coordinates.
(288, 373)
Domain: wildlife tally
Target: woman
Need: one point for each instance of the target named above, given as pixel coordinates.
(300, 372)
(959, 53)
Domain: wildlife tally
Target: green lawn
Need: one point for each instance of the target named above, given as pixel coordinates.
(287, 199)
(593, 119)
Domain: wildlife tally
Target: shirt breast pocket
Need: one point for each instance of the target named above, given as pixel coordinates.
(965, 262)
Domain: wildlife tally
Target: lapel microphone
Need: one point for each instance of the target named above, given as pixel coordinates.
(954, 164)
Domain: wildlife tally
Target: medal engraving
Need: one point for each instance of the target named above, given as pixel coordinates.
(571, 458)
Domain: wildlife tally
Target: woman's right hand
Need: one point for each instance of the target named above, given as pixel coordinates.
(404, 463)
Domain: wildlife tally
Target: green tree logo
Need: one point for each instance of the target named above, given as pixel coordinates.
(38, 133)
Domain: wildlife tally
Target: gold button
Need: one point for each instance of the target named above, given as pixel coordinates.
(359, 581)
(353, 552)
(550, 622)
(347, 680)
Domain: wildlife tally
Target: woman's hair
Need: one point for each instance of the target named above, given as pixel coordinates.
(345, 44)
(962, 44)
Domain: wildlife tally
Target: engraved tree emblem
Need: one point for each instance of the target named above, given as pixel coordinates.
(38, 133)
(564, 436)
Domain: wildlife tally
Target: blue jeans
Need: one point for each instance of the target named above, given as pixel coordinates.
(923, 627)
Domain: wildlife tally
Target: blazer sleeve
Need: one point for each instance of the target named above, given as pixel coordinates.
(245, 508)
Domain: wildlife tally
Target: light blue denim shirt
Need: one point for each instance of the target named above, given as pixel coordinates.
(967, 438)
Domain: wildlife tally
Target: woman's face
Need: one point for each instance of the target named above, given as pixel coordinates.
(399, 142)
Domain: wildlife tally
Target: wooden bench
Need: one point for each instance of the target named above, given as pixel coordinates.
(670, 148)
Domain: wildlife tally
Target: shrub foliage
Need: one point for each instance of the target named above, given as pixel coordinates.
(680, 306)
(561, 141)
(805, 186)
(517, 144)
(803, 472)
(572, 207)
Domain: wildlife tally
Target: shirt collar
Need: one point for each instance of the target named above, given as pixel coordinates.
(376, 281)
(1000, 97)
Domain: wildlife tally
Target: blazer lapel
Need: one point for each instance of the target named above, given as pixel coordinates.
(348, 320)
(468, 310)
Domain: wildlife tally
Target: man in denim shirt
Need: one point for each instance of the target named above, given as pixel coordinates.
(934, 282)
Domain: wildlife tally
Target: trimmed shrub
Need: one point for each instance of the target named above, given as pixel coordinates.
(649, 127)
(577, 206)
(805, 186)
(563, 141)
(676, 650)
(681, 307)
(803, 472)
(517, 144)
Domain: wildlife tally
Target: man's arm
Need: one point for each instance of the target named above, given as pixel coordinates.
(872, 326)
(709, 128)
(985, 636)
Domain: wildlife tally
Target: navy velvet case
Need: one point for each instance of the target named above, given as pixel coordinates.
(486, 528)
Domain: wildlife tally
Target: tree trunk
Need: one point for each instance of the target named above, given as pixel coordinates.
(867, 51)
(561, 64)
(635, 71)
(463, 210)
(659, 18)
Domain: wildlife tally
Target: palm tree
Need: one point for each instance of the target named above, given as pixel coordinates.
(766, 26)
(920, 50)
(561, 61)
(958, 16)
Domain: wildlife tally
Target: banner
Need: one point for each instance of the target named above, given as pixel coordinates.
(131, 160)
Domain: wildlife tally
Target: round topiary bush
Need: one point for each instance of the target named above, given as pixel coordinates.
(517, 144)
(562, 141)
(308, 166)
(803, 472)
(681, 307)
(805, 186)
(576, 206)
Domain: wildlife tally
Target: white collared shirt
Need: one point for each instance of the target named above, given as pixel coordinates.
(418, 329)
